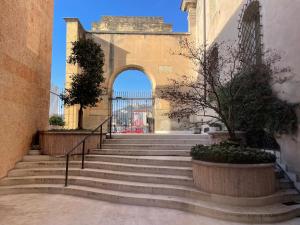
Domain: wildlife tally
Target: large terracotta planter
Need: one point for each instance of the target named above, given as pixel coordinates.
(251, 180)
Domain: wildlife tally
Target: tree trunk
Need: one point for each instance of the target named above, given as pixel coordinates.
(80, 118)
(232, 135)
(231, 130)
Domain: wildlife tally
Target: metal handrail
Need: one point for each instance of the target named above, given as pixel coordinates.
(288, 177)
(67, 155)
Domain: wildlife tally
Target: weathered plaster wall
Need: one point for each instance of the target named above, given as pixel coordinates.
(280, 32)
(25, 59)
(131, 24)
(149, 52)
(221, 20)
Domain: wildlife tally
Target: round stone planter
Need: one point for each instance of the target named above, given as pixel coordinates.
(237, 180)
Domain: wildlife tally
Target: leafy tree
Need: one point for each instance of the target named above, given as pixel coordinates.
(204, 95)
(85, 87)
(258, 110)
(222, 93)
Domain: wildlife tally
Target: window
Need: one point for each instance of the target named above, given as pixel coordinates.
(213, 60)
(250, 34)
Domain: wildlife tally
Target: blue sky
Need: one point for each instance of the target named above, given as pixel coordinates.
(89, 11)
(132, 80)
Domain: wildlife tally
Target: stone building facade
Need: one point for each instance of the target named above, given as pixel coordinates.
(25, 61)
(276, 27)
(145, 43)
(132, 24)
(141, 43)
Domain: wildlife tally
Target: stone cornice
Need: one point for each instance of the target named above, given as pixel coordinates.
(132, 24)
(187, 4)
(138, 33)
(70, 20)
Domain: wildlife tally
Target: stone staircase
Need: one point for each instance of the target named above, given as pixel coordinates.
(291, 175)
(147, 170)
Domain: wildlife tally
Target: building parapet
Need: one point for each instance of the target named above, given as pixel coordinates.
(132, 24)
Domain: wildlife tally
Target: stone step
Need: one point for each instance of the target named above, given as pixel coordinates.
(170, 146)
(168, 170)
(263, 214)
(297, 185)
(279, 173)
(290, 175)
(156, 189)
(285, 184)
(136, 152)
(116, 185)
(178, 161)
(29, 158)
(34, 152)
(106, 174)
(157, 141)
(160, 136)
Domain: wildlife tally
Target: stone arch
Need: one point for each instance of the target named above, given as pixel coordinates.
(122, 69)
(144, 101)
(131, 43)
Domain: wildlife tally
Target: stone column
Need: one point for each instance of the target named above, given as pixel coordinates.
(189, 6)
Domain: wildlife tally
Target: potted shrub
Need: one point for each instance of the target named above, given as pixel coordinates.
(56, 122)
(232, 170)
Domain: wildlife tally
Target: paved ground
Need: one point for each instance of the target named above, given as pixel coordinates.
(43, 209)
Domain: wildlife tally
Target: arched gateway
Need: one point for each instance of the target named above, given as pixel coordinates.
(139, 43)
(132, 103)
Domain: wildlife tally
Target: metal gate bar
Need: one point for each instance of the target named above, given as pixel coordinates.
(132, 112)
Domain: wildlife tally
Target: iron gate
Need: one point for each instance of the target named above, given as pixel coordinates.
(132, 112)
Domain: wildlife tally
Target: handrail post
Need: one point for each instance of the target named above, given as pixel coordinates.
(67, 171)
(83, 152)
(110, 125)
(101, 137)
(83, 142)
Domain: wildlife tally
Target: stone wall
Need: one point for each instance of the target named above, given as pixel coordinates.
(25, 59)
(279, 20)
(281, 32)
(60, 143)
(132, 24)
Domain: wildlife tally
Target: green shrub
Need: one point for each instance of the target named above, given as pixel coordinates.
(261, 139)
(56, 121)
(256, 107)
(231, 153)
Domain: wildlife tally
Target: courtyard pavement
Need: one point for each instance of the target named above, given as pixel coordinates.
(44, 209)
